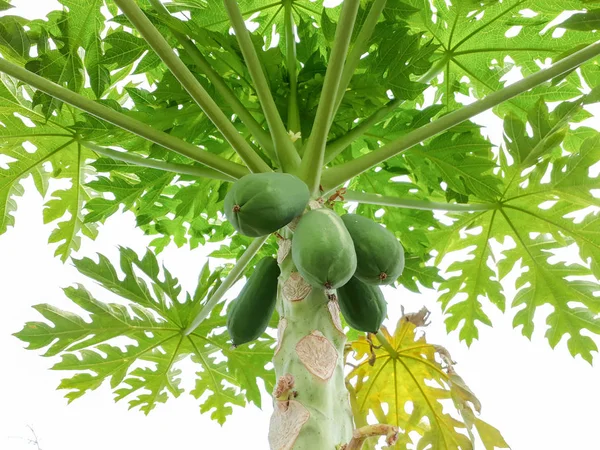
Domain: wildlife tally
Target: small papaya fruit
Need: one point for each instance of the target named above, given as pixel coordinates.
(250, 313)
(362, 305)
(261, 203)
(322, 249)
(380, 255)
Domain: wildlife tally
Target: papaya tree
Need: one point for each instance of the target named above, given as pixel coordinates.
(332, 150)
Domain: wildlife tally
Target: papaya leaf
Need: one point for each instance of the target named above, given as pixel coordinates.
(482, 42)
(542, 184)
(553, 198)
(460, 160)
(79, 28)
(13, 37)
(416, 381)
(152, 313)
(587, 21)
(30, 143)
(416, 270)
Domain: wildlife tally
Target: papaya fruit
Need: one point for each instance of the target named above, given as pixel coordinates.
(261, 203)
(379, 253)
(250, 313)
(362, 305)
(322, 249)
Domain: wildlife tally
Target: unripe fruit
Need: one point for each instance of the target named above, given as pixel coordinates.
(261, 203)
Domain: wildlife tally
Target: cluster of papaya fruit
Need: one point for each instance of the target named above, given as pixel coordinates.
(350, 254)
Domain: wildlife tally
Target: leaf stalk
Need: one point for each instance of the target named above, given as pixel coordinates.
(293, 121)
(342, 173)
(138, 160)
(163, 49)
(409, 203)
(286, 152)
(386, 344)
(229, 281)
(262, 137)
(360, 435)
(312, 161)
(123, 121)
(337, 146)
(361, 45)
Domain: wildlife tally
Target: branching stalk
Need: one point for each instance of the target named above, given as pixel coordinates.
(336, 147)
(229, 281)
(409, 203)
(138, 160)
(258, 132)
(123, 121)
(286, 152)
(342, 173)
(290, 47)
(163, 49)
(312, 161)
(361, 45)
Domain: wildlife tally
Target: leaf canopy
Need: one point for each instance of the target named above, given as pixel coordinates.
(152, 318)
(424, 60)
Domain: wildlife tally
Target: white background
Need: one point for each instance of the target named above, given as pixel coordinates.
(539, 398)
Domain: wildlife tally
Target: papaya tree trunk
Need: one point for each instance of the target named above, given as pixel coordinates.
(311, 403)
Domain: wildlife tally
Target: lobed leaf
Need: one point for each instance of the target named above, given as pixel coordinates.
(415, 383)
(153, 316)
(544, 207)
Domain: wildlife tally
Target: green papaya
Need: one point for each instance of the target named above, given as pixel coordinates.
(261, 203)
(250, 312)
(363, 305)
(379, 253)
(322, 249)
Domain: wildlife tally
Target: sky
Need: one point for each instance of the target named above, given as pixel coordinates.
(537, 397)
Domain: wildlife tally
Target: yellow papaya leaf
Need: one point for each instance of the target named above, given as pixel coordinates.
(403, 380)
(489, 435)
